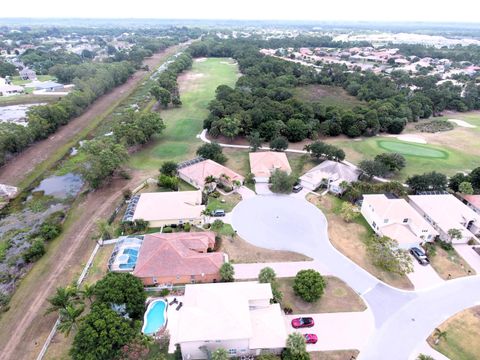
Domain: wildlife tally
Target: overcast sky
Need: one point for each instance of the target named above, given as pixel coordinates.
(350, 10)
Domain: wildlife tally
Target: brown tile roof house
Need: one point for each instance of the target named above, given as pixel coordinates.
(263, 163)
(196, 173)
(178, 258)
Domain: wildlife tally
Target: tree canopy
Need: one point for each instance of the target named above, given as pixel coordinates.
(309, 285)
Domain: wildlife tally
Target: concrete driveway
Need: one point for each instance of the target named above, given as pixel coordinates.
(336, 331)
(263, 189)
(470, 256)
(424, 277)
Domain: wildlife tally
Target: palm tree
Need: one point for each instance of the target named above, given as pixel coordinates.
(439, 334)
(424, 357)
(63, 297)
(69, 318)
(87, 292)
(210, 179)
(105, 230)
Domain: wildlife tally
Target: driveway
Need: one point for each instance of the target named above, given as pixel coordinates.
(245, 192)
(337, 331)
(470, 256)
(263, 189)
(424, 277)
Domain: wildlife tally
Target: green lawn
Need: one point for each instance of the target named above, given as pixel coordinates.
(226, 203)
(420, 158)
(16, 80)
(197, 88)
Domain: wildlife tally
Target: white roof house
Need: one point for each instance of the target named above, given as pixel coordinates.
(174, 207)
(446, 212)
(396, 219)
(235, 316)
(330, 173)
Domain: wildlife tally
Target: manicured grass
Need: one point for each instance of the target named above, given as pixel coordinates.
(237, 160)
(26, 99)
(16, 80)
(338, 297)
(197, 88)
(420, 158)
(226, 203)
(461, 341)
(327, 95)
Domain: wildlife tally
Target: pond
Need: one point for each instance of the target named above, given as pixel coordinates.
(61, 186)
(16, 113)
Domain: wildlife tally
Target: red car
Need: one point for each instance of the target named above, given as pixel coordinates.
(310, 338)
(303, 322)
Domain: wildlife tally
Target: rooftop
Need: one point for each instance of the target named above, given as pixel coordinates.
(473, 199)
(332, 170)
(169, 205)
(263, 163)
(176, 254)
(200, 170)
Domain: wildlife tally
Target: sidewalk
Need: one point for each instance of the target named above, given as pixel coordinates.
(425, 349)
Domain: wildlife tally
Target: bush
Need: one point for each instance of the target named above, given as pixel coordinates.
(309, 285)
(169, 182)
(167, 229)
(35, 252)
(127, 194)
(164, 292)
(227, 272)
(279, 144)
(187, 227)
(445, 245)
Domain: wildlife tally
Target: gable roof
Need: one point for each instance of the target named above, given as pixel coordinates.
(169, 205)
(177, 254)
(200, 170)
(331, 170)
(474, 200)
(263, 163)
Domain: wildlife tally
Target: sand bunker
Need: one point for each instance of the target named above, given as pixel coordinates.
(462, 123)
(411, 138)
(201, 59)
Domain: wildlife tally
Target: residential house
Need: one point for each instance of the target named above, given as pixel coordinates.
(395, 218)
(331, 174)
(194, 172)
(27, 74)
(445, 212)
(473, 202)
(9, 90)
(178, 258)
(264, 163)
(168, 208)
(235, 316)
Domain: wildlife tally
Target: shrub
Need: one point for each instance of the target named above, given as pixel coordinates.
(35, 252)
(127, 194)
(472, 241)
(282, 182)
(169, 182)
(309, 285)
(445, 245)
(164, 292)
(187, 227)
(167, 229)
(279, 144)
(227, 272)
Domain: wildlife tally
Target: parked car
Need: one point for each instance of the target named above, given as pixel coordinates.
(310, 338)
(419, 255)
(297, 188)
(303, 322)
(218, 212)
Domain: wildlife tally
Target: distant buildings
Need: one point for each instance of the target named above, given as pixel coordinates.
(27, 74)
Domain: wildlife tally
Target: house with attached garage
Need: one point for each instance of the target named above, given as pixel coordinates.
(264, 163)
(445, 212)
(331, 174)
(237, 317)
(395, 218)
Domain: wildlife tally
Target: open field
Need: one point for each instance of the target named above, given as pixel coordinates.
(338, 297)
(42, 155)
(462, 333)
(197, 88)
(26, 99)
(348, 238)
(327, 95)
(420, 158)
(17, 80)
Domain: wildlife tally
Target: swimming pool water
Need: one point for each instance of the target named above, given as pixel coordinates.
(155, 317)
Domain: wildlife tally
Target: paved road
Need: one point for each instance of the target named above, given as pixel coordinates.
(402, 319)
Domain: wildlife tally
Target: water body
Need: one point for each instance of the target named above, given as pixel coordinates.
(16, 113)
(61, 187)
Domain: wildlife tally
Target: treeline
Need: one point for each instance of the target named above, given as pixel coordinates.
(43, 58)
(166, 89)
(262, 100)
(470, 53)
(46, 119)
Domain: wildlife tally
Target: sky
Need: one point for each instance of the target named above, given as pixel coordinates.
(320, 10)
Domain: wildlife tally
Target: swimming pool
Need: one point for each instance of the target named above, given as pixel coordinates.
(155, 317)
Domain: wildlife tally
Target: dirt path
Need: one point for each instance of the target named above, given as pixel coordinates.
(18, 168)
(24, 328)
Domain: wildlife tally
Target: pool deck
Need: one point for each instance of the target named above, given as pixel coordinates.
(172, 322)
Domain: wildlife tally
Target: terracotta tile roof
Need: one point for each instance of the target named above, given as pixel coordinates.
(178, 254)
(199, 171)
(473, 199)
(263, 163)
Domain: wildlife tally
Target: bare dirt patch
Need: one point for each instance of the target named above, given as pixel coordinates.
(338, 297)
(240, 251)
(449, 264)
(348, 238)
(19, 167)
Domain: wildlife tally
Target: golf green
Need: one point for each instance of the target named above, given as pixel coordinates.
(415, 150)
